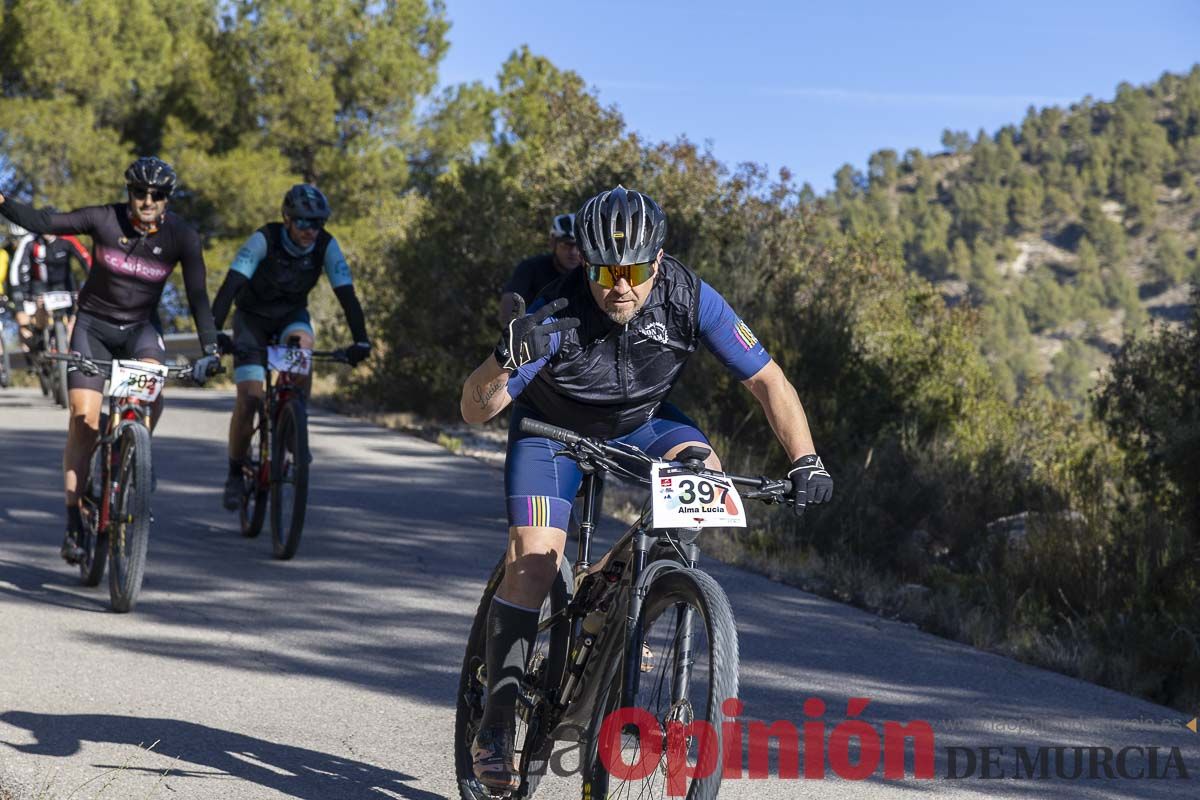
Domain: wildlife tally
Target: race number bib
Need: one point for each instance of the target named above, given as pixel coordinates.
(683, 499)
(295, 360)
(53, 301)
(137, 379)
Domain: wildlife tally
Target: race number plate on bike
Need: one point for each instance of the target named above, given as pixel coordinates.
(140, 380)
(295, 360)
(53, 301)
(683, 499)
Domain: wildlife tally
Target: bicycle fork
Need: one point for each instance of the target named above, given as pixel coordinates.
(635, 630)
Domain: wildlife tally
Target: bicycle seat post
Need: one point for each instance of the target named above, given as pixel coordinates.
(587, 523)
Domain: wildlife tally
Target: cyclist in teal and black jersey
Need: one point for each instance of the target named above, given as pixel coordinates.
(269, 281)
(135, 246)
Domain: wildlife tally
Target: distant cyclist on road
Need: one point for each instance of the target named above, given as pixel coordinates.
(52, 257)
(136, 245)
(536, 273)
(269, 280)
(19, 284)
(599, 354)
(45, 266)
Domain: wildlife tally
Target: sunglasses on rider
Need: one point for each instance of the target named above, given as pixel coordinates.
(608, 276)
(141, 192)
(306, 224)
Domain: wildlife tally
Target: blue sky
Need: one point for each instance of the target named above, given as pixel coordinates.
(812, 86)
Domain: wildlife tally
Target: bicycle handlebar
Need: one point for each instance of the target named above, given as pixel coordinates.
(337, 356)
(584, 448)
(98, 366)
(539, 428)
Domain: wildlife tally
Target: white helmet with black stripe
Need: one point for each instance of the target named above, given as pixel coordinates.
(563, 226)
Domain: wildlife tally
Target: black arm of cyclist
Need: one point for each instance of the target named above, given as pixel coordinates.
(41, 221)
(223, 302)
(74, 254)
(353, 312)
(197, 293)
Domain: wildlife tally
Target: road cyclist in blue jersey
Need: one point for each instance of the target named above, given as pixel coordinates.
(598, 353)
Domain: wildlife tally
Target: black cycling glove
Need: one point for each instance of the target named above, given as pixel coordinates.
(528, 336)
(358, 352)
(810, 482)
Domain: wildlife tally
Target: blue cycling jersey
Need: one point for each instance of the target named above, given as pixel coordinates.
(252, 253)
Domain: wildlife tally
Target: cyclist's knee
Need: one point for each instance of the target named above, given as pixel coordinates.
(83, 426)
(534, 554)
(84, 409)
(249, 394)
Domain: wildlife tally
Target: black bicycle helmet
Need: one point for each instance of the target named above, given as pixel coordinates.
(563, 226)
(620, 226)
(153, 172)
(304, 201)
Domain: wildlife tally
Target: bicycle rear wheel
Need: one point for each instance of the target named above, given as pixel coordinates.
(60, 344)
(130, 526)
(41, 344)
(94, 544)
(546, 664)
(689, 667)
(289, 478)
(252, 509)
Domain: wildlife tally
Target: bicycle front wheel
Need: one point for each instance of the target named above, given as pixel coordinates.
(670, 744)
(130, 519)
(60, 345)
(252, 509)
(289, 478)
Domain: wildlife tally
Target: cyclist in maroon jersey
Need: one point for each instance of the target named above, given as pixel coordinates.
(135, 246)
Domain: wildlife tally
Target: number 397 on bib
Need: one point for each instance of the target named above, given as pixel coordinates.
(683, 499)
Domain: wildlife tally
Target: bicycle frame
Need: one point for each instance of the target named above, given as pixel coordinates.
(277, 393)
(122, 412)
(640, 540)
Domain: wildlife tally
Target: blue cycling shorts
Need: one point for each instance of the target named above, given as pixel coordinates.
(541, 488)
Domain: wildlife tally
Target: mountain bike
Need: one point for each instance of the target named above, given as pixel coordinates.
(115, 500)
(53, 339)
(642, 630)
(277, 462)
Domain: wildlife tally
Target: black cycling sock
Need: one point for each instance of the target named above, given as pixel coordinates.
(74, 519)
(235, 467)
(511, 631)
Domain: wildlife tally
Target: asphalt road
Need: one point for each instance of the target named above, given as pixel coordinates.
(333, 676)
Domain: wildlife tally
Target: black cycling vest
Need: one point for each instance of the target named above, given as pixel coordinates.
(282, 281)
(607, 379)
